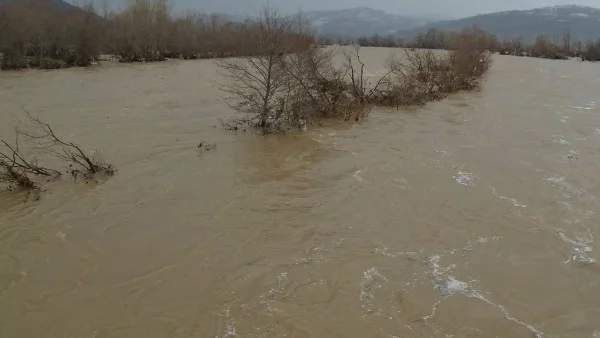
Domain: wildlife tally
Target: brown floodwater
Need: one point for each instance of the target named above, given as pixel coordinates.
(475, 216)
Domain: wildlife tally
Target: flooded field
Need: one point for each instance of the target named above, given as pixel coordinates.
(475, 216)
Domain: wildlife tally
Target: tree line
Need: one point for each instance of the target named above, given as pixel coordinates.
(38, 34)
(543, 46)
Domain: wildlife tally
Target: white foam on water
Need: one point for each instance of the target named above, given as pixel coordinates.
(464, 178)
(453, 286)
(567, 205)
(62, 236)
(385, 251)
(584, 216)
(536, 333)
(467, 248)
(512, 200)
(356, 175)
(434, 309)
(561, 141)
(447, 286)
(588, 106)
(436, 270)
(582, 108)
(443, 152)
(562, 184)
(371, 279)
(563, 118)
(315, 255)
(230, 330)
(275, 292)
(582, 247)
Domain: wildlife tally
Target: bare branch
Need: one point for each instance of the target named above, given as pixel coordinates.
(12, 177)
(81, 163)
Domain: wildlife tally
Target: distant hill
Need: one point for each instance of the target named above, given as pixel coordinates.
(361, 21)
(582, 22)
(59, 3)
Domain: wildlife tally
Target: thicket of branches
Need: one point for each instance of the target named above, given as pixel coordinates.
(556, 47)
(19, 166)
(36, 33)
(553, 48)
(282, 88)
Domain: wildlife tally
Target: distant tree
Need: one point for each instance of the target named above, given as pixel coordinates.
(257, 83)
(592, 52)
(567, 41)
(432, 39)
(542, 47)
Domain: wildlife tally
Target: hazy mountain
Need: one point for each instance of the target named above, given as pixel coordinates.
(60, 3)
(582, 22)
(361, 21)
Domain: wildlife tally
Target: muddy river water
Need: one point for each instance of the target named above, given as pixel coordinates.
(476, 216)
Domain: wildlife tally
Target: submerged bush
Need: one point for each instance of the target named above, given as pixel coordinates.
(428, 75)
(283, 89)
(13, 178)
(81, 163)
(17, 168)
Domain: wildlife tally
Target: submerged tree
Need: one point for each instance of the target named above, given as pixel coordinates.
(16, 167)
(257, 82)
(81, 163)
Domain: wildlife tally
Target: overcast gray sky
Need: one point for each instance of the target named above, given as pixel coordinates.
(435, 8)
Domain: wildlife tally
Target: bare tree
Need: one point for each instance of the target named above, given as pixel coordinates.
(567, 42)
(105, 7)
(12, 156)
(257, 82)
(361, 87)
(314, 83)
(83, 45)
(317, 89)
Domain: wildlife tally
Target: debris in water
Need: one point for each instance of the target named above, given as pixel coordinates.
(205, 146)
